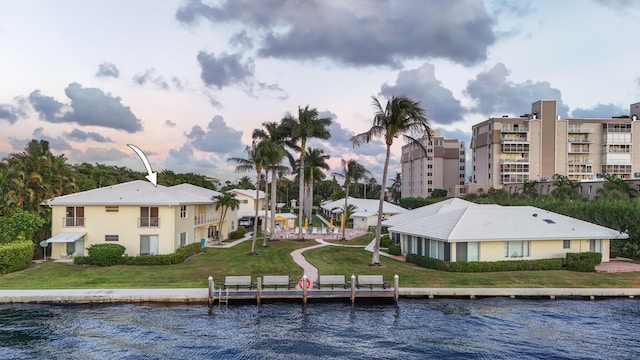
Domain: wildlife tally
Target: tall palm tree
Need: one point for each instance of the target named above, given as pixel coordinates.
(306, 126)
(269, 153)
(316, 161)
(251, 163)
(273, 133)
(396, 187)
(401, 116)
(352, 171)
(225, 202)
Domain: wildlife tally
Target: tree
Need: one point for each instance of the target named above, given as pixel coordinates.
(250, 163)
(273, 134)
(616, 189)
(224, 202)
(401, 116)
(352, 171)
(316, 161)
(565, 188)
(299, 130)
(269, 153)
(396, 187)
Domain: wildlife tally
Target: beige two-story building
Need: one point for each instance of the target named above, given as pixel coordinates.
(145, 219)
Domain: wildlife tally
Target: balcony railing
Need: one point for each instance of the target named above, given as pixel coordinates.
(73, 221)
(577, 129)
(148, 222)
(579, 140)
(513, 161)
(206, 218)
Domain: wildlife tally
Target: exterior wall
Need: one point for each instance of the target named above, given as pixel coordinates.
(440, 168)
(124, 223)
(580, 149)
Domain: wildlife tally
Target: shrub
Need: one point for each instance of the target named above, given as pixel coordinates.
(106, 254)
(385, 241)
(237, 234)
(21, 225)
(16, 256)
(394, 249)
(181, 254)
(485, 266)
(584, 262)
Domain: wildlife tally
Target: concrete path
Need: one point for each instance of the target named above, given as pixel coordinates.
(307, 269)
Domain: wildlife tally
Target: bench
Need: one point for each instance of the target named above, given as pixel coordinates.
(276, 280)
(332, 280)
(238, 281)
(371, 281)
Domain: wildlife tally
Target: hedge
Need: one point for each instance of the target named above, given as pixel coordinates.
(394, 249)
(16, 256)
(486, 266)
(181, 254)
(238, 234)
(584, 262)
(105, 254)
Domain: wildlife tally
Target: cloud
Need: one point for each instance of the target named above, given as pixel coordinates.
(359, 32)
(55, 143)
(14, 112)
(225, 69)
(496, 95)
(600, 111)
(217, 138)
(107, 69)
(184, 160)
(241, 40)
(82, 136)
(89, 106)
(149, 78)
(105, 156)
(169, 123)
(48, 108)
(421, 84)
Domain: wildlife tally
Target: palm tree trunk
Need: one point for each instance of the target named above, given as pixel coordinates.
(301, 191)
(255, 219)
(344, 228)
(264, 208)
(273, 202)
(375, 260)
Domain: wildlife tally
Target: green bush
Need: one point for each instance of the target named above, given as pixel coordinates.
(239, 233)
(21, 225)
(485, 266)
(394, 249)
(385, 241)
(106, 254)
(181, 254)
(584, 262)
(16, 256)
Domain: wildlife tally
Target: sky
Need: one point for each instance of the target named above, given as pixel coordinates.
(187, 81)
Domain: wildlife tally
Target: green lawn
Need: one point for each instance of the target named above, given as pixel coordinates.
(275, 260)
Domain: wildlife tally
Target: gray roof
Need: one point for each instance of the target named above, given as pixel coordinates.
(475, 223)
(136, 192)
(428, 210)
(248, 193)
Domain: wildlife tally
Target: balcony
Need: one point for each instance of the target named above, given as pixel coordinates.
(73, 221)
(206, 218)
(518, 128)
(579, 140)
(577, 129)
(148, 222)
(514, 161)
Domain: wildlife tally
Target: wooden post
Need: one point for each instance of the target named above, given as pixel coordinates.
(259, 289)
(304, 289)
(211, 290)
(396, 287)
(353, 289)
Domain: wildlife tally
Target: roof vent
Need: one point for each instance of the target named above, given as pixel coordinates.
(534, 214)
(549, 221)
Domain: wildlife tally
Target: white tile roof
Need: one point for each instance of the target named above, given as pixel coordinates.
(136, 192)
(248, 192)
(428, 210)
(196, 190)
(499, 223)
(369, 205)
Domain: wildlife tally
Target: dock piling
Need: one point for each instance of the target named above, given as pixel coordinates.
(211, 290)
(396, 287)
(258, 289)
(304, 289)
(353, 288)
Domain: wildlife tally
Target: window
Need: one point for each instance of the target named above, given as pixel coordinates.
(74, 216)
(595, 245)
(516, 249)
(149, 216)
(111, 238)
(71, 248)
(183, 239)
(243, 201)
(148, 244)
(183, 211)
(566, 244)
(473, 251)
(110, 208)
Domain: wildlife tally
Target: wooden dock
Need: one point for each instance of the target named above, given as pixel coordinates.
(220, 295)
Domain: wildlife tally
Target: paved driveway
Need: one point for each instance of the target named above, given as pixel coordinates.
(617, 266)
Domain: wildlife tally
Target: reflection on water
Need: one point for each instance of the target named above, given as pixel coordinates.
(495, 328)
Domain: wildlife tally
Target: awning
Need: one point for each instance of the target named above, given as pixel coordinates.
(66, 237)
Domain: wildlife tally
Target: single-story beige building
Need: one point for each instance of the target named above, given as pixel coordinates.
(458, 230)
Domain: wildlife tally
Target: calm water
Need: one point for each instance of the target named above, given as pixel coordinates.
(493, 328)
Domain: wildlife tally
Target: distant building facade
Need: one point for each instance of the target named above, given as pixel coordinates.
(537, 146)
(442, 167)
